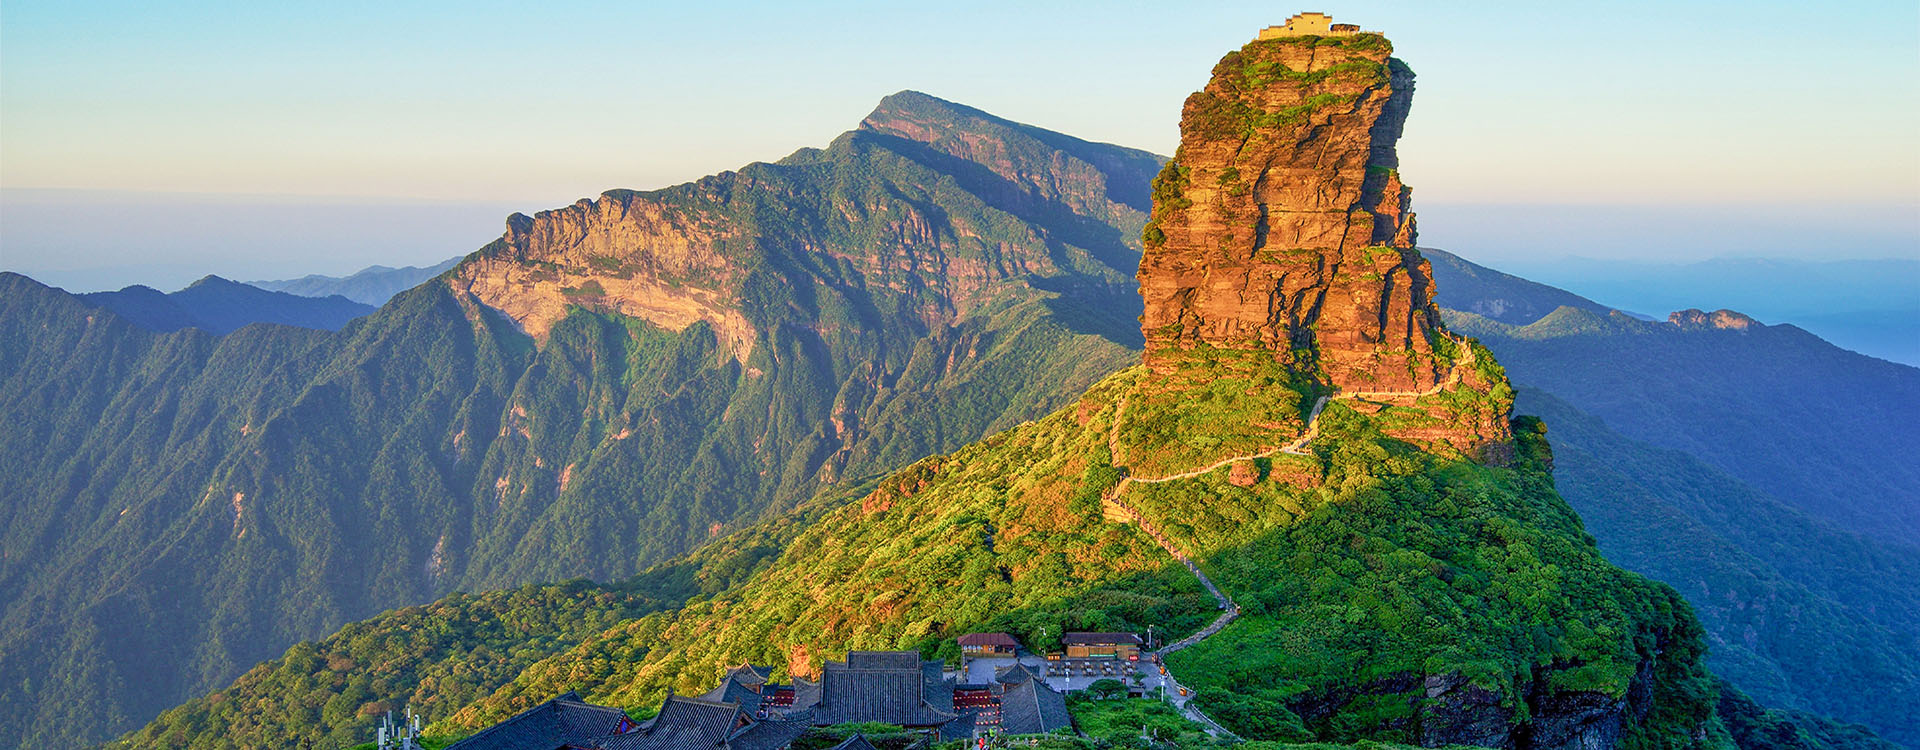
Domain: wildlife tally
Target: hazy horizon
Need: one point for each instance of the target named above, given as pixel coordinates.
(144, 146)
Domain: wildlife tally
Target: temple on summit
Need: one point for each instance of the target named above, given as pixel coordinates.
(1309, 24)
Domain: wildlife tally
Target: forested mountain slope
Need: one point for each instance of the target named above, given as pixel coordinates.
(1823, 429)
(181, 506)
(1404, 569)
(1802, 613)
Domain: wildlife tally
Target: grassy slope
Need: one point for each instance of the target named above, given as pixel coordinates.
(1007, 533)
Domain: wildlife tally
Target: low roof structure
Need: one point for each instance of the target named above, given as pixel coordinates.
(698, 724)
(1100, 639)
(996, 640)
(1029, 706)
(1016, 673)
(565, 720)
(891, 687)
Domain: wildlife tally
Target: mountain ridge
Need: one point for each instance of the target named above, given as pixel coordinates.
(220, 306)
(373, 285)
(433, 446)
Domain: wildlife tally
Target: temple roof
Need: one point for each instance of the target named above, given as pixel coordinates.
(733, 690)
(894, 687)
(989, 639)
(1016, 673)
(698, 724)
(1032, 707)
(857, 742)
(751, 674)
(565, 720)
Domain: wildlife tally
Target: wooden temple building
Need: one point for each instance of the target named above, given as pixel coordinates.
(748, 711)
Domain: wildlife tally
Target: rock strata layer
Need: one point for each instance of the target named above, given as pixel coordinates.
(1282, 223)
(1281, 226)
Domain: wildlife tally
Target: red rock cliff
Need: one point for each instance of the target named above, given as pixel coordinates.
(1282, 224)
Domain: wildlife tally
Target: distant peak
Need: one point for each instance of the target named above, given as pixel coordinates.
(212, 281)
(909, 113)
(1722, 319)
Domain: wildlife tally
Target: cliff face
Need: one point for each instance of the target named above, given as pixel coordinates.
(745, 250)
(629, 253)
(1284, 224)
(1282, 227)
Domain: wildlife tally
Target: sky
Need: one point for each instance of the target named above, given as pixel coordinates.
(161, 141)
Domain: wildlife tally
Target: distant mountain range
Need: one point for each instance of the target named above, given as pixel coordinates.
(373, 285)
(194, 503)
(184, 504)
(219, 306)
(1757, 469)
(1399, 564)
(1869, 306)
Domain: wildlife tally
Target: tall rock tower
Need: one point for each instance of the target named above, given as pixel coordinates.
(1282, 224)
(1281, 230)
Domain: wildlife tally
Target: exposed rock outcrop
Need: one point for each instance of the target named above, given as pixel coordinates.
(975, 201)
(624, 252)
(1282, 226)
(1721, 319)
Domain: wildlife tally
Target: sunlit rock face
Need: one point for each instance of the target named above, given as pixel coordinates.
(1282, 226)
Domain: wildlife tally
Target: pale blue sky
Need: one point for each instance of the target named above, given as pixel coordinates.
(1772, 119)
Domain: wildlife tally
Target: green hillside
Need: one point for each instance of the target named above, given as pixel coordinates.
(1353, 606)
(1825, 430)
(1801, 613)
(184, 506)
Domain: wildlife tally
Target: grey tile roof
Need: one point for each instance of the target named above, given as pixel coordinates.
(682, 724)
(773, 734)
(1031, 707)
(1016, 673)
(935, 688)
(751, 674)
(806, 694)
(857, 742)
(883, 660)
(565, 720)
(959, 728)
(893, 687)
(697, 724)
(733, 690)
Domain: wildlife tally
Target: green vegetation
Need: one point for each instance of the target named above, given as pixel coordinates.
(591, 288)
(953, 544)
(1220, 116)
(1757, 728)
(1261, 73)
(437, 658)
(1495, 585)
(1215, 402)
(1169, 195)
(199, 504)
(1686, 452)
(1121, 722)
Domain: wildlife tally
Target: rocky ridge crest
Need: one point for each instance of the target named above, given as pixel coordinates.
(709, 250)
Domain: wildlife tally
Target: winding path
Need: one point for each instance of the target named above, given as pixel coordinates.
(1229, 610)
